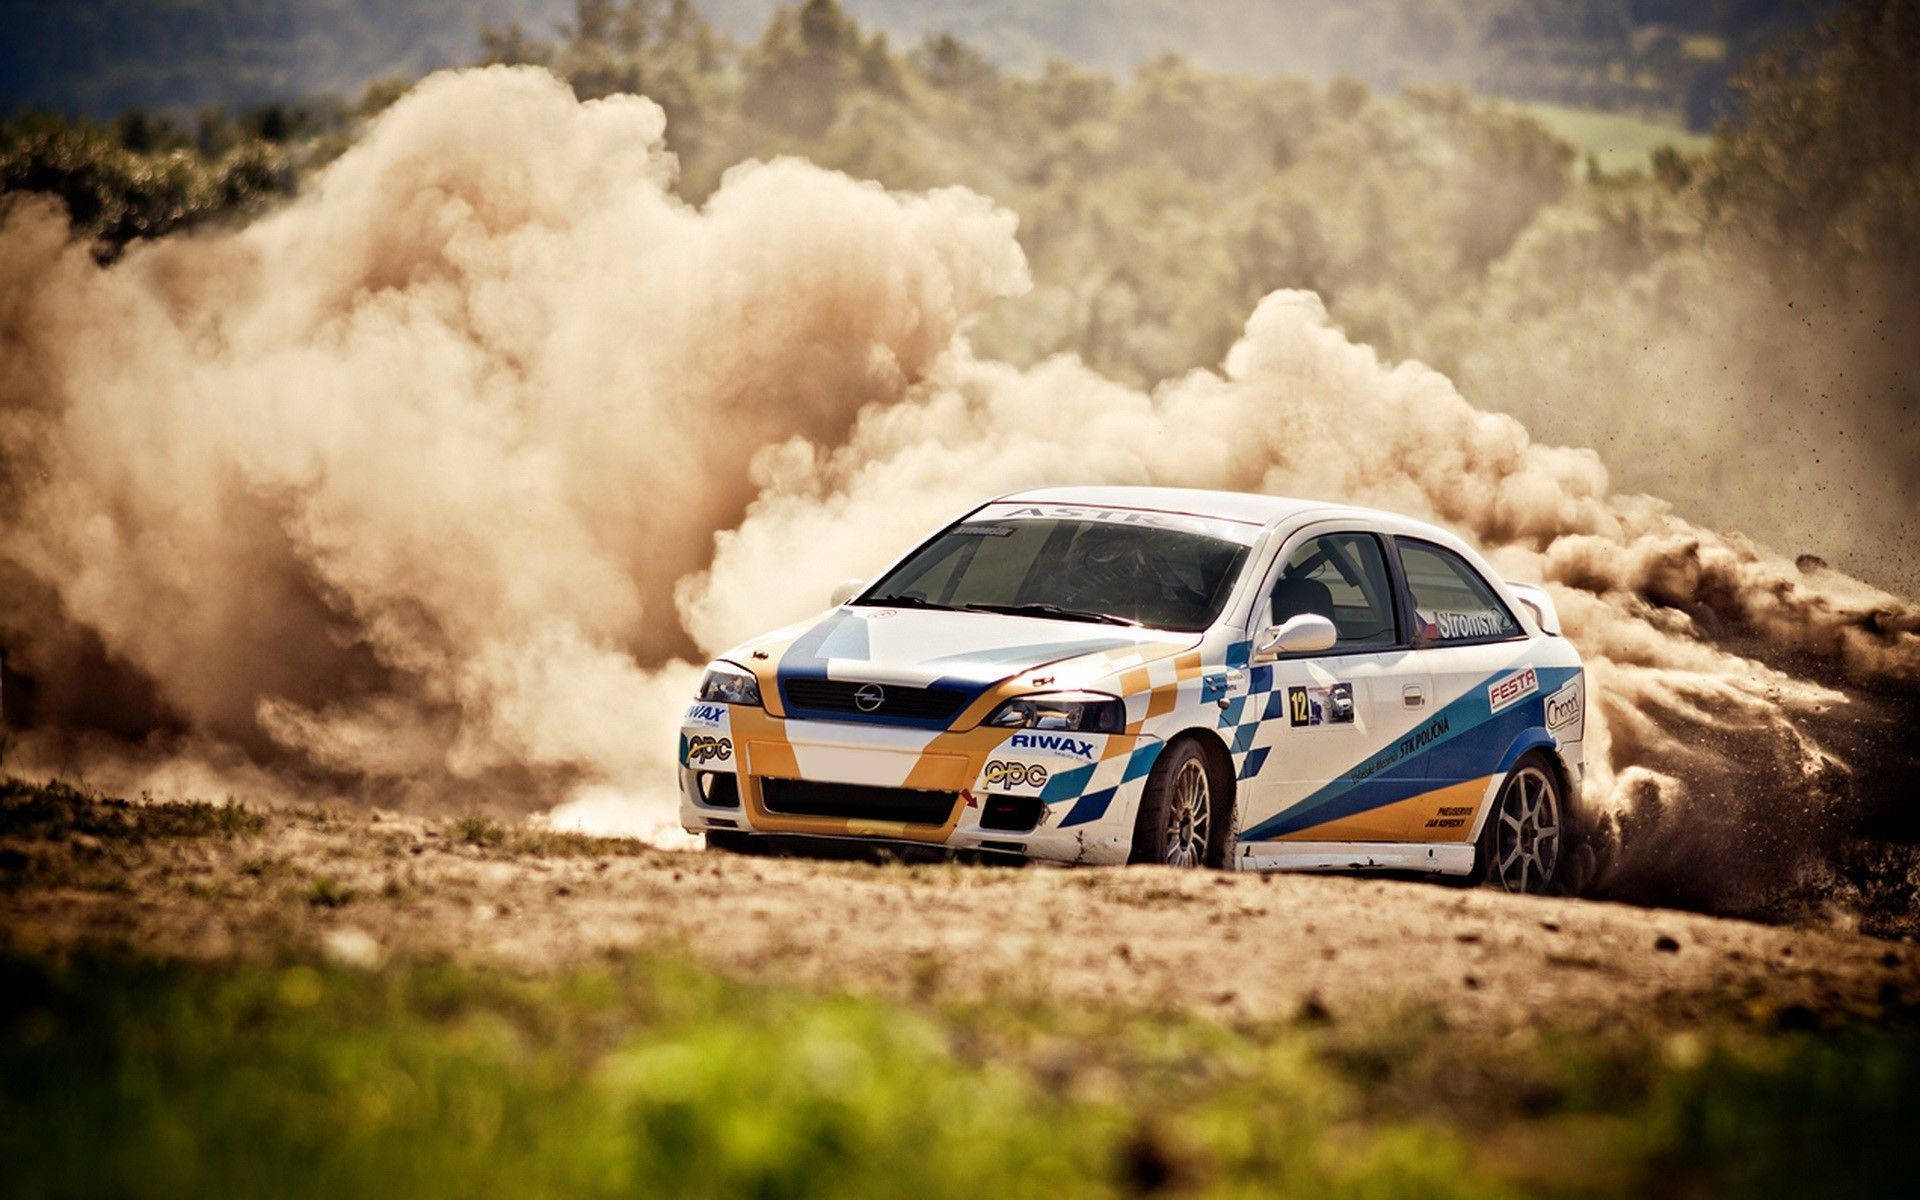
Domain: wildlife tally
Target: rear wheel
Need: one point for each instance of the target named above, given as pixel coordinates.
(1185, 812)
(1526, 843)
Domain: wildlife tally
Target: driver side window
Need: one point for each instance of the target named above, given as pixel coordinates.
(1343, 577)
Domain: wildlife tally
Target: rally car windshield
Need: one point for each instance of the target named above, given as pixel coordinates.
(1070, 569)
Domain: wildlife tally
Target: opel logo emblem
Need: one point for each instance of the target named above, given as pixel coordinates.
(870, 697)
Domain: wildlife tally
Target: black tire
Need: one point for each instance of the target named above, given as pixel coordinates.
(1528, 843)
(1168, 830)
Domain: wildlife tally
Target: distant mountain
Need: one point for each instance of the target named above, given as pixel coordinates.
(101, 56)
(1662, 58)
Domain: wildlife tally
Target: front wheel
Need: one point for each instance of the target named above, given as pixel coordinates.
(1526, 843)
(1185, 812)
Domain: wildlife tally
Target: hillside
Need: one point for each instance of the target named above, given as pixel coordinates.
(1652, 57)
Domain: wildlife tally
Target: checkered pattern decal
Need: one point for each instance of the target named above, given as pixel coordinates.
(1157, 689)
(1151, 690)
(1242, 716)
(1098, 783)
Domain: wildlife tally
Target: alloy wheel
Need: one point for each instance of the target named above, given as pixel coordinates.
(1526, 840)
(1189, 816)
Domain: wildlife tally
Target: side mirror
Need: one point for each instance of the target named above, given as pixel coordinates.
(1307, 633)
(846, 590)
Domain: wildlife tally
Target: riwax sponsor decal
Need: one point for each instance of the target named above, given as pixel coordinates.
(1014, 774)
(1516, 687)
(1072, 747)
(985, 530)
(702, 749)
(1566, 711)
(705, 714)
(1331, 705)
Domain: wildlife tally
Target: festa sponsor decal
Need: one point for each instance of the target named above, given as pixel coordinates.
(1504, 693)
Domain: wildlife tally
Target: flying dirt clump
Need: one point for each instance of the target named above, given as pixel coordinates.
(439, 480)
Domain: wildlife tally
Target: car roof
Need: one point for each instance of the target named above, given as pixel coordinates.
(1245, 507)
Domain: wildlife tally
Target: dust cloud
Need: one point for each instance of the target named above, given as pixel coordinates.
(438, 483)
(392, 487)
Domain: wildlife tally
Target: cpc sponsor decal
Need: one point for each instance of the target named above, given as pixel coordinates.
(703, 749)
(1072, 747)
(1567, 711)
(705, 714)
(1505, 693)
(1013, 774)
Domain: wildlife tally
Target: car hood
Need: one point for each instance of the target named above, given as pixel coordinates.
(921, 647)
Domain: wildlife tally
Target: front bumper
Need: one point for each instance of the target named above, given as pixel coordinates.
(1066, 797)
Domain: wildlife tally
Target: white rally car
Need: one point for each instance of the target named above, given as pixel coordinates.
(1109, 675)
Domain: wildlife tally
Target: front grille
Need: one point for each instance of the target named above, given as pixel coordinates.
(852, 801)
(835, 698)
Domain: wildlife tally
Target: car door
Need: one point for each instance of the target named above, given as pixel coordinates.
(1326, 715)
(1474, 651)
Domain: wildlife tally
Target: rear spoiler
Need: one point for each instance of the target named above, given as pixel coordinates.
(1537, 599)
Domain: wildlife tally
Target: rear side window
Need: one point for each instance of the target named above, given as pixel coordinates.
(1452, 604)
(1343, 577)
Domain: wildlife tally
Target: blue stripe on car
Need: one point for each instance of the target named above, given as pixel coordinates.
(1415, 763)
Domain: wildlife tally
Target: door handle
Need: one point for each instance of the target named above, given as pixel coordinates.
(1413, 695)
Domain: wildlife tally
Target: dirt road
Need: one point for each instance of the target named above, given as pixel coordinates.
(1242, 947)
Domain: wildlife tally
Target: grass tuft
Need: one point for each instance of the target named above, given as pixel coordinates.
(57, 811)
(476, 829)
(532, 840)
(327, 892)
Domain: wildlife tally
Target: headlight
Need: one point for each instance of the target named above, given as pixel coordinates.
(725, 683)
(1083, 712)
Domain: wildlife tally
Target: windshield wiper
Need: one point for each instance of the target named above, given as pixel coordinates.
(1050, 610)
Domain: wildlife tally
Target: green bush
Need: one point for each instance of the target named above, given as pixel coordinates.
(137, 1079)
(123, 1077)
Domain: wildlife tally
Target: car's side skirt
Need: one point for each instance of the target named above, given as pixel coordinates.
(1439, 858)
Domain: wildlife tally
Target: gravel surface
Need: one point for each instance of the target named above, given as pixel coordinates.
(363, 888)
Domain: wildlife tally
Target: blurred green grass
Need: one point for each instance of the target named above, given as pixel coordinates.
(127, 1077)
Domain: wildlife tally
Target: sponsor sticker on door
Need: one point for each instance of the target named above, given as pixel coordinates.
(1504, 693)
(1567, 711)
(1330, 705)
